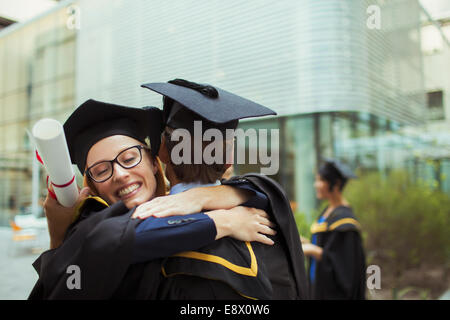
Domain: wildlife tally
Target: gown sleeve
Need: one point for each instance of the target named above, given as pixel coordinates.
(106, 242)
(259, 200)
(163, 237)
(96, 253)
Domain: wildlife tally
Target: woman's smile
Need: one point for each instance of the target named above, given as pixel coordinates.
(128, 191)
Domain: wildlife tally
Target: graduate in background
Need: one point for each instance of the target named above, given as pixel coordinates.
(337, 260)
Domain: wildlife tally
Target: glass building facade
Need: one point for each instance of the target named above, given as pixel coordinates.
(37, 80)
(341, 87)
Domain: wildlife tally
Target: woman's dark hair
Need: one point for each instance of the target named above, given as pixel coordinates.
(329, 173)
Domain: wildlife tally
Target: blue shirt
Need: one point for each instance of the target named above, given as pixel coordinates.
(312, 268)
(259, 200)
(163, 237)
(181, 187)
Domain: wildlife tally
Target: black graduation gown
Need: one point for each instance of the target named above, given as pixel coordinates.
(101, 244)
(231, 269)
(340, 273)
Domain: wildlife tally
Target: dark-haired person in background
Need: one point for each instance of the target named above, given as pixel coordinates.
(336, 255)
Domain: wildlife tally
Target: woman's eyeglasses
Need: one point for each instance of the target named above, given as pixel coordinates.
(127, 159)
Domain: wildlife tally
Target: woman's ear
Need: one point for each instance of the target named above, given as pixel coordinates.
(337, 186)
(88, 183)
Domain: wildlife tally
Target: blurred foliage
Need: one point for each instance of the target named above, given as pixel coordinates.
(303, 226)
(404, 223)
(422, 294)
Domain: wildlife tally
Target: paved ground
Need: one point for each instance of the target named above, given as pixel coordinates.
(445, 296)
(17, 275)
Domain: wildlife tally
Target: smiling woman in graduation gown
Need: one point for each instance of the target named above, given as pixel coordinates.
(336, 255)
(100, 246)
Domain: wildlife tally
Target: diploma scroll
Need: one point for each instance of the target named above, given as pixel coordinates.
(48, 135)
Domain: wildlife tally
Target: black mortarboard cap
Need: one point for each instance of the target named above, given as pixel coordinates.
(342, 168)
(94, 120)
(185, 101)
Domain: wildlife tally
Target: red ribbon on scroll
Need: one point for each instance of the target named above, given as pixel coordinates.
(50, 192)
(38, 157)
(64, 185)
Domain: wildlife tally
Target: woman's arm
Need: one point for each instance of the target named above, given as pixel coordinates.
(162, 237)
(59, 218)
(312, 250)
(197, 200)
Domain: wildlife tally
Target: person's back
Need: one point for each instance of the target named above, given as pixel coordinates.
(226, 270)
(284, 261)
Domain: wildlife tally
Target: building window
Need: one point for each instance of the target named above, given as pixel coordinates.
(435, 99)
(435, 105)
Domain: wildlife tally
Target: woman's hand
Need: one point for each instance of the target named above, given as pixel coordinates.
(178, 204)
(312, 250)
(192, 201)
(304, 240)
(59, 218)
(243, 223)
